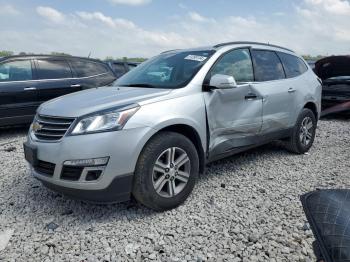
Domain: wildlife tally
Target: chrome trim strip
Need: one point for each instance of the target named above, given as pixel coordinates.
(40, 80)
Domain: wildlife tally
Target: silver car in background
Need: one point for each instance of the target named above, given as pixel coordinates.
(152, 133)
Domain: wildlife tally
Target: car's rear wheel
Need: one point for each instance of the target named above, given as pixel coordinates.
(303, 133)
(166, 171)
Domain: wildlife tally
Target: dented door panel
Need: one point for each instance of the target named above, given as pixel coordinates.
(233, 120)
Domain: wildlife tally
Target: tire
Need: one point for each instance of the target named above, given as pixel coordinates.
(159, 183)
(300, 141)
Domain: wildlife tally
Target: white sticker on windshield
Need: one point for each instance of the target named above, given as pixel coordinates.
(196, 58)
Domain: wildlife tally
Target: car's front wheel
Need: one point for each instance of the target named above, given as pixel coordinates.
(166, 171)
(303, 133)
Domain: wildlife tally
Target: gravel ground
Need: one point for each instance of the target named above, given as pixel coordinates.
(245, 208)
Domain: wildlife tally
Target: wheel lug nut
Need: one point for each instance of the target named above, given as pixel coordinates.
(171, 165)
(167, 170)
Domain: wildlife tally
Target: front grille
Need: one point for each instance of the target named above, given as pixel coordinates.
(45, 168)
(51, 128)
(71, 173)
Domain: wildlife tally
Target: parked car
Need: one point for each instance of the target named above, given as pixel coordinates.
(28, 81)
(152, 133)
(335, 74)
(120, 68)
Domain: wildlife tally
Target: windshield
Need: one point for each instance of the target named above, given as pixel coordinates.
(167, 70)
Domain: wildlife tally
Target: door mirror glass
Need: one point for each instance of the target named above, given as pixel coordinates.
(220, 81)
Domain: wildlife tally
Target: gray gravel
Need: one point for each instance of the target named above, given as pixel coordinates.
(246, 208)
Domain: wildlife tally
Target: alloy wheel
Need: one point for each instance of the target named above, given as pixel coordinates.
(171, 172)
(306, 131)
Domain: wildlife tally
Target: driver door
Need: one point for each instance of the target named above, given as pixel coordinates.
(235, 114)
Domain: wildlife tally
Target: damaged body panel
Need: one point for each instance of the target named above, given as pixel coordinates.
(234, 121)
(335, 74)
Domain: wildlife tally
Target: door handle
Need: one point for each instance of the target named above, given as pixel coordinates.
(250, 96)
(75, 85)
(29, 88)
(291, 90)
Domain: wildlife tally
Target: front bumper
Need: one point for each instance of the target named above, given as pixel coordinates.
(115, 182)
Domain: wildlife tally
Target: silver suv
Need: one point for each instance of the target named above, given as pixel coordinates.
(152, 133)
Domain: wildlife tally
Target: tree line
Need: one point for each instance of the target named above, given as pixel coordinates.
(129, 59)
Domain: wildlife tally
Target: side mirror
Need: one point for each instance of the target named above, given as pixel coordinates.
(220, 81)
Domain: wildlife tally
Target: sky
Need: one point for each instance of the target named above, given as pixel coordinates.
(144, 28)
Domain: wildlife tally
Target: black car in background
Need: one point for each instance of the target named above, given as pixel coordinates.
(28, 81)
(335, 74)
(120, 68)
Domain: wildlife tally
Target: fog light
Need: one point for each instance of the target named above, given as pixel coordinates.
(93, 175)
(87, 162)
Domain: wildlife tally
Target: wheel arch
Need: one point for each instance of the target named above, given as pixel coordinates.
(192, 134)
(312, 106)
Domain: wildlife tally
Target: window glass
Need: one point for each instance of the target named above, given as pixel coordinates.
(293, 65)
(267, 65)
(85, 68)
(173, 69)
(53, 69)
(119, 69)
(16, 71)
(236, 63)
(131, 66)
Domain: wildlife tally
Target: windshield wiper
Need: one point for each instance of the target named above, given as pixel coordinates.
(141, 85)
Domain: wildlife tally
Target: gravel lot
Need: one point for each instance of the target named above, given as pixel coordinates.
(245, 208)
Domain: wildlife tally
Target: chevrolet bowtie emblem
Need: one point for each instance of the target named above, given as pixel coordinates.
(37, 127)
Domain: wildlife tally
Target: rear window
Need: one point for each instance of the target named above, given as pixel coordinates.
(53, 69)
(267, 66)
(87, 68)
(293, 65)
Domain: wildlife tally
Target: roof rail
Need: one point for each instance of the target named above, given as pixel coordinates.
(167, 51)
(251, 43)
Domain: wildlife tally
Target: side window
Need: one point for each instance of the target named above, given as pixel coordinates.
(267, 66)
(53, 69)
(119, 69)
(293, 66)
(131, 66)
(84, 68)
(236, 63)
(16, 71)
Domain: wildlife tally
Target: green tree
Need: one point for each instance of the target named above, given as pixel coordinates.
(6, 53)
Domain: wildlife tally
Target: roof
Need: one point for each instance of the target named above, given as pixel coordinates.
(251, 43)
(47, 56)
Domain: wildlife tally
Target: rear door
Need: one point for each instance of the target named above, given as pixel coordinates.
(18, 95)
(270, 81)
(54, 78)
(234, 115)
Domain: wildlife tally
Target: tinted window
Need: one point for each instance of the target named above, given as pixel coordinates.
(267, 65)
(84, 68)
(119, 69)
(236, 63)
(16, 71)
(131, 66)
(293, 65)
(53, 69)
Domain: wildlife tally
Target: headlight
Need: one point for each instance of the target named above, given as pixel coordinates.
(104, 121)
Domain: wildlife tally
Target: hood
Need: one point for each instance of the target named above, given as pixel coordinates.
(333, 66)
(93, 100)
